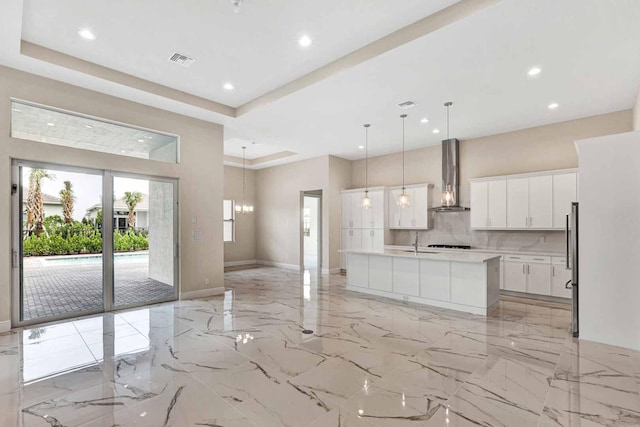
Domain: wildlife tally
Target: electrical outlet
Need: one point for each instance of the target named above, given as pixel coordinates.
(206, 281)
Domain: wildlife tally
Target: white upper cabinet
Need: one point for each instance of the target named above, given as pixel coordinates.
(479, 204)
(517, 203)
(346, 210)
(565, 191)
(540, 202)
(416, 216)
(374, 216)
(356, 209)
(530, 201)
(489, 201)
(497, 203)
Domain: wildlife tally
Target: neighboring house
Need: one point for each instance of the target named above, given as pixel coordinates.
(52, 206)
(121, 213)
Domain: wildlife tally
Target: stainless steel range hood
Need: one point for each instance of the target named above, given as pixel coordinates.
(450, 177)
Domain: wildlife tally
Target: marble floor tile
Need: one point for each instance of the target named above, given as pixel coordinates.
(241, 359)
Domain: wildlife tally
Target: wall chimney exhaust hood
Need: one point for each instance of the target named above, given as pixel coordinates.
(450, 173)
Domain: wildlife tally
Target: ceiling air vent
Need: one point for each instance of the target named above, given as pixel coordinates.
(181, 59)
(406, 105)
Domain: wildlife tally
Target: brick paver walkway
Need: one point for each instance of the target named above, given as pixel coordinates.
(56, 288)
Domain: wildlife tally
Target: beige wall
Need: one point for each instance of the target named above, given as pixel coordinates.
(200, 172)
(636, 112)
(278, 202)
(244, 247)
(536, 149)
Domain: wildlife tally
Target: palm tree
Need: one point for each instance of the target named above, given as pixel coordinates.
(68, 199)
(131, 199)
(35, 206)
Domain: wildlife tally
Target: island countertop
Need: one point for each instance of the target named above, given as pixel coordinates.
(434, 255)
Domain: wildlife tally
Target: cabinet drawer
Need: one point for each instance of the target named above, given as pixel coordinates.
(558, 260)
(531, 259)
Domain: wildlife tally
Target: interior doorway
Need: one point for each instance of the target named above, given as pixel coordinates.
(311, 230)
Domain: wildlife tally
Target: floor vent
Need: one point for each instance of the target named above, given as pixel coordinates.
(181, 59)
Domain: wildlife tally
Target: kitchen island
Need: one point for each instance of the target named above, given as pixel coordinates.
(468, 282)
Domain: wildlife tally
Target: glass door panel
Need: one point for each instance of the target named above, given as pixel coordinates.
(144, 241)
(60, 247)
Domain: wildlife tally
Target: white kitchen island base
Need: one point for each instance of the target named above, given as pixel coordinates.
(463, 282)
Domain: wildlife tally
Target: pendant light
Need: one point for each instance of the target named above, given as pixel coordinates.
(448, 196)
(365, 203)
(403, 200)
(244, 207)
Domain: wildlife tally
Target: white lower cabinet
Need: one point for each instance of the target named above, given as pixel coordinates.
(405, 276)
(434, 280)
(530, 274)
(463, 276)
(380, 273)
(515, 278)
(559, 278)
(351, 239)
(358, 274)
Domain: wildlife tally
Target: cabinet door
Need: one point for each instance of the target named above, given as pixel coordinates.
(407, 216)
(366, 214)
(356, 238)
(497, 204)
(345, 243)
(377, 209)
(377, 240)
(539, 279)
(517, 203)
(395, 213)
(356, 209)
(515, 278)
(346, 210)
(479, 204)
(420, 204)
(559, 278)
(367, 239)
(565, 189)
(540, 202)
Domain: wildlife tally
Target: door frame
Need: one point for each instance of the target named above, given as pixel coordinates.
(107, 244)
(318, 195)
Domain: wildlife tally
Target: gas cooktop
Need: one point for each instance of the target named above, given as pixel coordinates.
(450, 246)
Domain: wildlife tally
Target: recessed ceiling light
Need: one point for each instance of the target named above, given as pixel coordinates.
(534, 71)
(149, 137)
(553, 106)
(436, 131)
(122, 151)
(228, 86)
(141, 140)
(360, 147)
(86, 33)
(88, 126)
(17, 110)
(51, 124)
(305, 41)
(424, 120)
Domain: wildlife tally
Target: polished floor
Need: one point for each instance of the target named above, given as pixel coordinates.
(241, 359)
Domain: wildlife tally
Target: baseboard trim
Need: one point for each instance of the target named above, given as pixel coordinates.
(5, 326)
(330, 270)
(202, 293)
(237, 263)
(279, 265)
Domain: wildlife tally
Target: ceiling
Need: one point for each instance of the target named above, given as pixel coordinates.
(587, 50)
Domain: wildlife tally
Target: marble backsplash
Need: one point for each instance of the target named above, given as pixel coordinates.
(453, 228)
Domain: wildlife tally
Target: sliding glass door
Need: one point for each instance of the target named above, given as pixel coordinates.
(144, 236)
(62, 264)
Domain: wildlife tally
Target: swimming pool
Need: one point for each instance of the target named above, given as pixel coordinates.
(96, 258)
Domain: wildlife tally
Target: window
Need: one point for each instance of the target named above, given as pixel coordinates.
(51, 126)
(228, 218)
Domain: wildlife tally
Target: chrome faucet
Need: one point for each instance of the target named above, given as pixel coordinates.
(415, 244)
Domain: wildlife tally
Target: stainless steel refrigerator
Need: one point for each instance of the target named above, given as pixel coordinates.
(571, 234)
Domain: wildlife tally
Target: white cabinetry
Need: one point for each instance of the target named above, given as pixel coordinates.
(416, 216)
(537, 201)
(565, 191)
(372, 239)
(531, 274)
(362, 228)
(559, 278)
(489, 201)
(374, 216)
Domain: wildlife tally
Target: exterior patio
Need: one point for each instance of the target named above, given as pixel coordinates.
(55, 286)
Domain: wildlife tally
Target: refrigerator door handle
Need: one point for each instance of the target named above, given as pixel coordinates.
(566, 238)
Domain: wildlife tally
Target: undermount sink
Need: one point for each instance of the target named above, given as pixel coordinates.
(423, 252)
